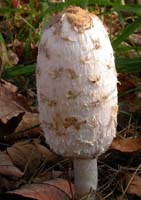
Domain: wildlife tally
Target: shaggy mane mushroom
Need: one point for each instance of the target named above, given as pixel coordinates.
(77, 91)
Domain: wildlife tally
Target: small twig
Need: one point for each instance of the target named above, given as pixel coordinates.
(70, 185)
(130, 181)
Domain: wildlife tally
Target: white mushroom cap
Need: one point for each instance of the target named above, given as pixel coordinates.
(77, 85)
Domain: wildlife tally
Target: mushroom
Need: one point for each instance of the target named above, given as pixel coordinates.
(77, 91)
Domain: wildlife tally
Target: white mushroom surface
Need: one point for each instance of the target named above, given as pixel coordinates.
(77, 85)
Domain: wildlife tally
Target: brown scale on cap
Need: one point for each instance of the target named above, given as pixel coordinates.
(80, 19)
(73, 121)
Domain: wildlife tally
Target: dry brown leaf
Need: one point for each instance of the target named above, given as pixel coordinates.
(19, 46)
(7, 167)
(127, 145)
(6, 184)
(46, 154)
(3, 55)
(134, 184)
(13, 58)
(11, 104)
(29, 126)
(28, 121)
(12, 108)
(25, 156)
(3, 4)
(48, 175)
(58, 189)
(29, 155)
(8, 86)
(135, 38)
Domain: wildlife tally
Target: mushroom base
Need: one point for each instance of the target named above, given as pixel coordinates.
(86, 178)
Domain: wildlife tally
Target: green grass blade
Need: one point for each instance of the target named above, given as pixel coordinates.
(128, 8)
(8, 10)
(126, 65)
(84, 4)
(18, 71)
(126, 32)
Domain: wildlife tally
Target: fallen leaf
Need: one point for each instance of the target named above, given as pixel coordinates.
(28, 121)
(11, 104)
(48, 175)
(27, 127)
(19, 47)
(58, 189)
(25, 156)
(3, 4)
(46, 154)
(4, 60)
(13, 57)
(6, 184)
(135, 38)
(12, 108)
(134, 184)
(7, 167)
(29, 155)
(19, 3)
(30, 125)
(127, 145)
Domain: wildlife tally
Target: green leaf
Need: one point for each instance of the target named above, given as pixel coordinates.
(84, 4)
(126, 32)
(126, 65)
(8, 10)
(18, 71)
(127, 8)
(124, 49)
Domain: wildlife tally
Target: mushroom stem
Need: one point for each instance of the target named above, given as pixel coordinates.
(86, 177)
